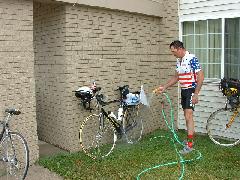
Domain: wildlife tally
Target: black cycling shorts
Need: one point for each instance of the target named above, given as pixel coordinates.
(186, 98)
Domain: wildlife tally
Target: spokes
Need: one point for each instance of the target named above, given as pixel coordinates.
(132, 124)
(97, 136)
(223, 127)
(15, 157)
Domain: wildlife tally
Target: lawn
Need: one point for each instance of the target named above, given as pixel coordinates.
(156, 155)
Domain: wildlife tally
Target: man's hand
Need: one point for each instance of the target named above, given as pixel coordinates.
(195, 98)
(159, 90)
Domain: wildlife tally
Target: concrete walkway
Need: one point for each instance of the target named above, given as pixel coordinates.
(36, 172)
(46, 149)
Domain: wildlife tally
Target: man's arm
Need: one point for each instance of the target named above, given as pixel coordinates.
(172, 81)
(200, 78)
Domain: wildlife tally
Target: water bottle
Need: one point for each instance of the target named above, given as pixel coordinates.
(112, 115)
(120, 114)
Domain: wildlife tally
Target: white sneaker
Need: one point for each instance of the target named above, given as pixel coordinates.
(186, 150)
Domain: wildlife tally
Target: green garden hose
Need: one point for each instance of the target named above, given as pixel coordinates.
(173, 139)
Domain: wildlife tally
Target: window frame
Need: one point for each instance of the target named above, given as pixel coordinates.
(223, 26)
(207, 46)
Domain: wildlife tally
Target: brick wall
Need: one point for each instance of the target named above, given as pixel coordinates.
(51, 73)
(17, 82)
(77, 44)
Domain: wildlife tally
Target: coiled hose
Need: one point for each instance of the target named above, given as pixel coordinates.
(173, 139)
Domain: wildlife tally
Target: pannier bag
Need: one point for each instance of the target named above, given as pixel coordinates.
(132, 99)
(230, 87)
(85, 93)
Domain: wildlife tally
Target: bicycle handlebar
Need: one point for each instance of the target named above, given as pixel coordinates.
(96, 89)
(126, 87)
(120, 88)
(103, 103)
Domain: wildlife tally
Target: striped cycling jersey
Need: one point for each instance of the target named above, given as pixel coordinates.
(187, 69)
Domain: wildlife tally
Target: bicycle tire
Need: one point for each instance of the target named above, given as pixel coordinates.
(133, 124)
(97, 136)
(14, 156)
(217, 131)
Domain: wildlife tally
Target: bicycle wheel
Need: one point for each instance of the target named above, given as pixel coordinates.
(218, 131)
(14, 156)
(132, 123)
(97, 136)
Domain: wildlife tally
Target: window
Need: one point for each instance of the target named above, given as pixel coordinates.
(232, 48)
(204, 38)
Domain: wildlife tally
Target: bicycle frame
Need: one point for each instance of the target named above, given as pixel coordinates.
(5, 124)
(11, 152)
(116, 125)
(235, 110)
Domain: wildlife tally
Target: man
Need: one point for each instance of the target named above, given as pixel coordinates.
(190, 77)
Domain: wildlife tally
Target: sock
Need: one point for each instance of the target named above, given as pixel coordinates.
(190, 141)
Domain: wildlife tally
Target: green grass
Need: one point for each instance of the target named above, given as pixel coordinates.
(127, 161)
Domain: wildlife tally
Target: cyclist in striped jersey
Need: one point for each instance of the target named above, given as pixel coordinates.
(190, 77)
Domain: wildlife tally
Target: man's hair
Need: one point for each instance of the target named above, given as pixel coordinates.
(177, 44)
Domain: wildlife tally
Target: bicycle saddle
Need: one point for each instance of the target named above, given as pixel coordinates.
(13, 111)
